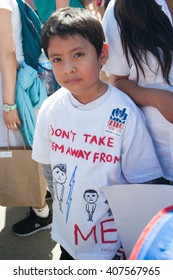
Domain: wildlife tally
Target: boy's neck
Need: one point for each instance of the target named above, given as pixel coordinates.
(98, 92)
(90, 104)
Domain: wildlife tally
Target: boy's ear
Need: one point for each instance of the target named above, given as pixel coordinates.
(104, 54)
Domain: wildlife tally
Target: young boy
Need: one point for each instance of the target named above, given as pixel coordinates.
(92, 129)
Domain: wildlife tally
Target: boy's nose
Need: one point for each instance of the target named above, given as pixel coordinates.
(69, 67)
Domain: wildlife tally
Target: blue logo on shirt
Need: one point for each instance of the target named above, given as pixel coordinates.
(118, 115)
(117, 120)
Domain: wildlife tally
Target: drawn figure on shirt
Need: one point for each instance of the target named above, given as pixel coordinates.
(90, 196)
(59, 177)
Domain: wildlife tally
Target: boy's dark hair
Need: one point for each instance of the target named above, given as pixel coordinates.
(73, 21)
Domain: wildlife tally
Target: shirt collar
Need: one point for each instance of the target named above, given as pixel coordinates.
(91, 105)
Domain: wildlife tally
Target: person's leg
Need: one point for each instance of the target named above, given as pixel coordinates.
(42, 210)
(47, 171)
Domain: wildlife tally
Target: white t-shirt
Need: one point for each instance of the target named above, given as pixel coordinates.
(11, 5)
(160, 129)
(90, 148)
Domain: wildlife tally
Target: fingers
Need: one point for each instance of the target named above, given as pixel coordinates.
(12, 120)
(18, 122)
(13, 126)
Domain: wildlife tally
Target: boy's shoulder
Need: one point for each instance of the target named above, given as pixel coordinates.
(122, 101)
(122, 97)
(54, 101)
(57, 96)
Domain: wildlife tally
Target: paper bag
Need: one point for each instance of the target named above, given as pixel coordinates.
(21, 180)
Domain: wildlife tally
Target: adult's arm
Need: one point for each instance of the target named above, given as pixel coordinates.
(8, 67)
(62, 3)
(157, 98)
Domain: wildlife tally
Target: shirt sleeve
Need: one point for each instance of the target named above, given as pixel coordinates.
(116, 63)
(5, 4)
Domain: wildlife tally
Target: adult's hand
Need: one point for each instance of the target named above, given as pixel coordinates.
(12, 120)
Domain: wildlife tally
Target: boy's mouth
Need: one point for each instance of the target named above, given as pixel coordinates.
(73, 81)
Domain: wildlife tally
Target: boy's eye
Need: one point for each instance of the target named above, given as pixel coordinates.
(78, 54)
(56, 60)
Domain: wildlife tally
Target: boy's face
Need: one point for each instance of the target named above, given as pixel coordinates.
(76, 66)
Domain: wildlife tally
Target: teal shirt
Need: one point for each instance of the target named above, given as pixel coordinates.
(45, 10)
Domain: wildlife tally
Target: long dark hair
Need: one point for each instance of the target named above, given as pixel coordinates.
(145, 27)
